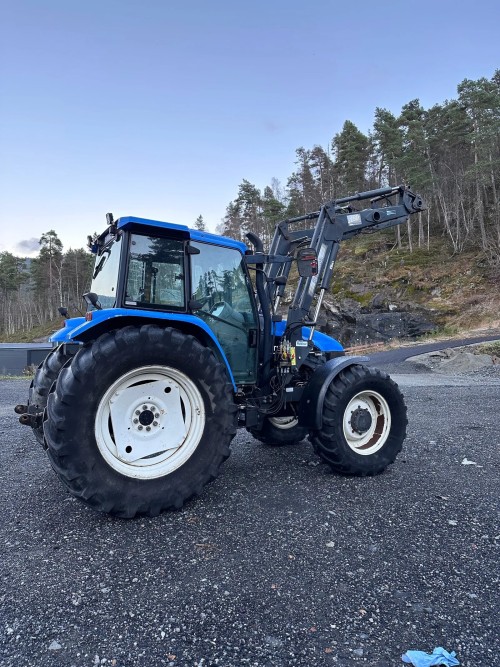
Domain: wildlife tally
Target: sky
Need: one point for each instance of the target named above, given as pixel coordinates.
(160, 108)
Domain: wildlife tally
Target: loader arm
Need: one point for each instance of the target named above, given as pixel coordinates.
(334, 222)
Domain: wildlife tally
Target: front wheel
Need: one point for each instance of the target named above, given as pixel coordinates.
(140, 421)
(364, 422)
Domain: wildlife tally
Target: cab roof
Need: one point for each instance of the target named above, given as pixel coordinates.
(132, 223)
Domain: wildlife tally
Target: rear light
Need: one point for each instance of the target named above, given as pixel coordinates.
(88, 316)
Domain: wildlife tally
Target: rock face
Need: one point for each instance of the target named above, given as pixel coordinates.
(381, 321)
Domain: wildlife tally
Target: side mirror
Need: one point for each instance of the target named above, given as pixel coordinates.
(91, 299)
(307, 262)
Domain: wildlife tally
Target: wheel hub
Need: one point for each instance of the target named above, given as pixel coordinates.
(147, 419)
(361, 420)
(147, 416)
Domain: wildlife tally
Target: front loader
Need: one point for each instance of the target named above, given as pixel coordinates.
(182, 343)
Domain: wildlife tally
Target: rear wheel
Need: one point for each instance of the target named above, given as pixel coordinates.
(140, 421)
(45, 375)
(364, 422)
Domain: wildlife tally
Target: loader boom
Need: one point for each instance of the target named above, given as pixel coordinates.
(334, 222)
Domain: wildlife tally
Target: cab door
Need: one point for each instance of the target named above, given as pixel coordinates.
(222, 295)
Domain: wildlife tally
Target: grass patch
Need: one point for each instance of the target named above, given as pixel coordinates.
(493, 349)
(28, 336)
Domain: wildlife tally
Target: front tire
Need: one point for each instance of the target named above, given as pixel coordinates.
(364, 422)
(140, 421)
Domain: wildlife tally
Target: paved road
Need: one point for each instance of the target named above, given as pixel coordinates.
(280, 562)
(403, 353)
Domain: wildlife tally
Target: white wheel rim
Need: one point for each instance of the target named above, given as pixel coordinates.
(284, 423)
(149, 422)
(374, 438)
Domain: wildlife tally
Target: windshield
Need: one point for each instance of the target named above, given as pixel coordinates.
(105, 276)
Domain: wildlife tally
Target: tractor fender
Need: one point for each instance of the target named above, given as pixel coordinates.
(310, 411)
(80, 330)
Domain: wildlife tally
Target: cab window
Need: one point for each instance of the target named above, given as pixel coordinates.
(155, 272)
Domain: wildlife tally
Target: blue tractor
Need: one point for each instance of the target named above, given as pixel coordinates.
(182, 343)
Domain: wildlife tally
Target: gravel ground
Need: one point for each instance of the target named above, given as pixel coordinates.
(280, 562)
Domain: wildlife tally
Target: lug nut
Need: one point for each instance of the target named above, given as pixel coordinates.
(137, 412)
(155, 423)
(157, 414)
(140, 428)
(144, 407)
(148, 428)
(136, 421)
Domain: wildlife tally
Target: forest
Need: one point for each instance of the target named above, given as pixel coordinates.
(449, 153)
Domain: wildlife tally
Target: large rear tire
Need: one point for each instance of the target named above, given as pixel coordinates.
(140, 421)
(45, 376)
(364, 422)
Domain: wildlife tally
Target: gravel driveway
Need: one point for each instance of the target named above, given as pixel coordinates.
(280, 562)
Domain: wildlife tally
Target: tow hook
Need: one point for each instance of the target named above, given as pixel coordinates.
(34, 420)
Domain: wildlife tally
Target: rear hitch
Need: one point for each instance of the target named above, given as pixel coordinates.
(35, 420)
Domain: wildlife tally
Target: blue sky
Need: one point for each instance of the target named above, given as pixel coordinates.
(159, 108)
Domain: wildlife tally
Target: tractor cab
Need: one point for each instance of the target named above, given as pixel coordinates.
(161, 270)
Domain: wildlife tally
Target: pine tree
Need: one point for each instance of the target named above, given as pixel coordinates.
(273, 211)
(323, 172)
(414, 162)
(199, 224)
(12, 272)
(46, 272)
(303, 192)
(12, 276)
(388, 139)
(351, 149)
(231, 224)
(249, 202)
